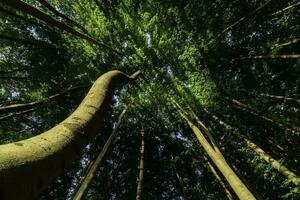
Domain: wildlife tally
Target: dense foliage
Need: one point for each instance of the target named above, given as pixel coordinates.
(237, 60)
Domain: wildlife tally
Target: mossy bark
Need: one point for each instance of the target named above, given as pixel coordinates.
(27, 167)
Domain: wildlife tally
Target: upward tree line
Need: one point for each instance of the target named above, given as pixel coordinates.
(211, 108)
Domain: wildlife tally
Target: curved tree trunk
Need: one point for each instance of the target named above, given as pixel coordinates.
(141, 168)
(90, 175)
(48, 154)
(26, 8)
(237, 185)
(265, 156)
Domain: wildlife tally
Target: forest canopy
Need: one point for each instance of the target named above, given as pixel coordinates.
(149, 99)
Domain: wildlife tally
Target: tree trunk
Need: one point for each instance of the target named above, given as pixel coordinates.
(250, 15)
(286, 8)
(26, 8)
(59, 14)
(179, 179)
(17, 16)
(26, 106)
(48, 154)
(265, 156)
(215, 173)
(256, 113)
(141, 168)
(290, 56)
(293, 41)
(30, 41)
(237, 185)
(87, 180)
(289, 99)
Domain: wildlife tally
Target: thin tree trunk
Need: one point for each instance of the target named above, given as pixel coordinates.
(286, 8)
(26, 8)
(26, 106)
(215, 173)
(59, 14)
(48, 153)
(5, 117)
(87, 180)
(32, 41)
(289, 99)
(250, 15)
(293, 41)
(254, 112)
(141, 168)
(291, 56)
(237, 185)
(17, 16)
(265, 156)
(179, 179)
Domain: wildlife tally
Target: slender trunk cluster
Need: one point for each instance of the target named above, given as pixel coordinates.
(256, 113)
(59, 14)
(26, 8)
(48, 153)
(237, 185)
(265, 156)
(91, 172)
(141, 168)
(251, 14)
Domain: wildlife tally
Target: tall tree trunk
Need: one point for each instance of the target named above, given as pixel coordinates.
(5, 117)
(289, 99)
(32, 41)
(263, 155)
(141, 168)
(219, 179)
(248, 16)
(59, 14)
(26, 106)
(290, 56)
(87, 180)
(256, 113)
(286, 8)
(26, 8)
(293, 41)
(48, 154)
(179, 179)
(237, 185)
(29, 21)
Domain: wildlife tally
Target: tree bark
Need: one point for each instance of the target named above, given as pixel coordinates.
(87, 180)
(215, 173)
(256, 113)
(251, 14)
(48, 154)
(285, 9)
(59, 14)
(265, 156)
(26, 8)
(237, 185)
(289, 99)
(26, 106)
(141, 168)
